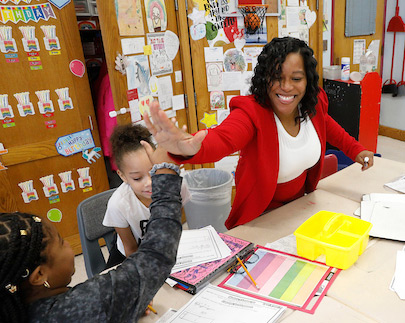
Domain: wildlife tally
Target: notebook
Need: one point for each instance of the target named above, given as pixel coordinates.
(195, 278)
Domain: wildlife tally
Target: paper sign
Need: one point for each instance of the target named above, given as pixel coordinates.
(74, 143)
(132, 95)
(165, 92)
(178, 76)
(213, 54)
(231, 81)
(132, 45)
(178, 102)
(134, 110)
(172, 44)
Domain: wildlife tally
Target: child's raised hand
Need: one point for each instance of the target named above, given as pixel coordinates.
(171, 138)
(158, 155)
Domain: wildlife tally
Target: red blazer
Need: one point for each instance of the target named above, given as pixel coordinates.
(251, 129)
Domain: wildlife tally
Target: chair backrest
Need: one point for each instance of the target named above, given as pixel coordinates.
(90, 215)
(330, 165)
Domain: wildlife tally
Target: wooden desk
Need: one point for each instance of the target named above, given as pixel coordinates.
(360, 293)
(352, 183)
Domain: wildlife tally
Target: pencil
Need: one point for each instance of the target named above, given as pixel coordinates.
(152, 309)
(247, 272)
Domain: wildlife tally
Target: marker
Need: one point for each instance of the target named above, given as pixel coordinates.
(366, 159)
(152, 309)
(247, 272)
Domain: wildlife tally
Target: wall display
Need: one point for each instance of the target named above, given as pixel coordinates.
(29, 193)
(26, 14)
(144, 103)
(165, 92)
(129, 17)
(209, 120)
(7, 42)
(5, 109)
(138, 74)
(159, 62)
(214, 76)
(234, 61)
(217, 100)
(24, 105)
(74, 143)
(14, 1)
(67, 183)
(45, 103)
(49, 187)
(64, 100)
(91, 156)
(84, 177)
(50, 40)
(156, 16)
(132, 45)
(77, 68)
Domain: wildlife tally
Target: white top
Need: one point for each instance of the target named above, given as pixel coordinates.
(297, 153)
(125, 210)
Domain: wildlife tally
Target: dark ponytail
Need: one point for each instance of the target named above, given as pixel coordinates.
(21, 245)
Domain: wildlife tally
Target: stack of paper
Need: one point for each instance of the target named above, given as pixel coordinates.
(387, 214)
(397, 185)
(398, 281)
(198, 247)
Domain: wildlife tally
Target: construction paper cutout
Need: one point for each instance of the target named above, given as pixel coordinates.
(5, 109)
(26, 13)
(234, 61)
(147, 50)
(67, 183)
(231, 29)
(50, 40)
(29, 193)
(217, 100)
(209, 120)
(77, 68)
(2, 167)
(7, 42)
(24, 105)
(29, 41)
(14, 1)
(93, 155)
(50, 187)
(153, 85)
(45, 104)
(310, 17)
(198, 32)
(2, 149)
(144, 104)
(64, 101)
(197, 16)
(59, 3)
(172, 44)
(84, 177)
(239, 43)
(121, 63)
(54, 215)
(74, 143)
(156, 16)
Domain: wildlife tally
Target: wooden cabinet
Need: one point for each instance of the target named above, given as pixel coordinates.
(356, 107)
(31, 134)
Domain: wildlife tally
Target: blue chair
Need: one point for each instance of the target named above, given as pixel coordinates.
(90, 215)
(343, 160)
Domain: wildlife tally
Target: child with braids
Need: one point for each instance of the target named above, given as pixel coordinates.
(127, 209)
(36, 264)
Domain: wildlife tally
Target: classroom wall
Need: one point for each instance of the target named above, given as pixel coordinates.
(392, 113)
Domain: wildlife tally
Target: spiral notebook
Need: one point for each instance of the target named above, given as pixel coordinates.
(195, 278)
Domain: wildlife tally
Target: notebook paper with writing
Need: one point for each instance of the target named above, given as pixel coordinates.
(194, 278)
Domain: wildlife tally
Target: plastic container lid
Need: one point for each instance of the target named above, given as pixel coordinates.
(345, 60)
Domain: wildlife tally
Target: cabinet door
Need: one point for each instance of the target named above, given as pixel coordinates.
(30, 139)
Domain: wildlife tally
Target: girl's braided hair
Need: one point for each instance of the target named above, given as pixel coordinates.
(126, 138)
(22, 245)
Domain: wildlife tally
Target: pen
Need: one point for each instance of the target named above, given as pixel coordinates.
(152, 309)
(366, 159)
(247, 272)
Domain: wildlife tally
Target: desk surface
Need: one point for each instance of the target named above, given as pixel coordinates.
(360, 293)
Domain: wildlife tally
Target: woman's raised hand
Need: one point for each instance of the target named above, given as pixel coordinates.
(169, 137)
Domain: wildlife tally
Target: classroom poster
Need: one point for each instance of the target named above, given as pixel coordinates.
(138, 74)
(159, 62)
(156, 15)
(129, 17)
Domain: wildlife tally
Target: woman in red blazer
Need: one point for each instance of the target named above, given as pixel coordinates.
(281, 132)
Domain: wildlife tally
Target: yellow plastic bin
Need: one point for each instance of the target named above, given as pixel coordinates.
(341, 238)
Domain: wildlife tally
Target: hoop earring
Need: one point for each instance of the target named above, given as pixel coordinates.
(46, 284)
(27, 273)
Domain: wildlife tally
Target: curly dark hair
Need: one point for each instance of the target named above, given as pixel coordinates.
(268, 71)
(126, 138)
(23, 240)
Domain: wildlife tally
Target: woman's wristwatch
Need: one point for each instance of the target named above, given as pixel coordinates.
(164, 165)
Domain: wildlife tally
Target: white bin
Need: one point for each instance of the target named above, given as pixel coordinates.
(210, 203)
